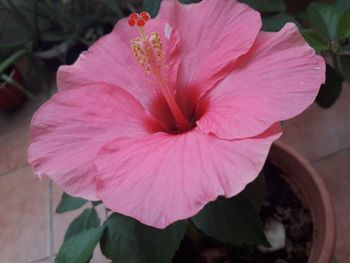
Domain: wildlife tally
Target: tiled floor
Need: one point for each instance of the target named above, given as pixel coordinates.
(322, 136)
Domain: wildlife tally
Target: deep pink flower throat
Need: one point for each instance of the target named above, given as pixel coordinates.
(148, 50)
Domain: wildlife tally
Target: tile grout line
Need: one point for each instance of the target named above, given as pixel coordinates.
(14, 170)
(50, 224)
(330, 155)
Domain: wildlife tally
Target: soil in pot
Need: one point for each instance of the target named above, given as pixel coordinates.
(281, 204)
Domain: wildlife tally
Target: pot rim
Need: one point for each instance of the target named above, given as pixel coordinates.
(322, 251)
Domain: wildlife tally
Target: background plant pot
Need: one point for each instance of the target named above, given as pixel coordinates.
(10, 97)
(308, 185)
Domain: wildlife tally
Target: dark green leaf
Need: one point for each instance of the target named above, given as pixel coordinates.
(69, 203)
(13, 45)
(54, 36)
(119, 242)
(56, 13)
(87, 219)
(231, 220)
(160, 245)
(266, 6)
(80, 247)
(342, 5)
(330, 91)
(301, 16)
(189, 1)
(22, 17)
(151, 6)
(274, 23)
(345, 63)
(12, 59)
(324, 18)
(96, 203)
(114, 6)
(343, 30)
(255, 192)
(315, 40)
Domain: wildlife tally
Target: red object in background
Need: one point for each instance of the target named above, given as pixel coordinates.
(10, 97)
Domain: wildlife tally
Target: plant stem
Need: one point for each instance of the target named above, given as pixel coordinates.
(11, 81)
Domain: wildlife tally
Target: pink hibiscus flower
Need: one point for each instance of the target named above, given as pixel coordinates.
(191, 118)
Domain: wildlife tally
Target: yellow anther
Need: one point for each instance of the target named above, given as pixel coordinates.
(148, 51)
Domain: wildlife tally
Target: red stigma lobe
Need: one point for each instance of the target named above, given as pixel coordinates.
(139, 20)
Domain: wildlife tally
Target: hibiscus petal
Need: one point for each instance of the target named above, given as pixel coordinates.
(68, 131)
(110, 60)
(162, 178)
(277, 80)
(213, 35)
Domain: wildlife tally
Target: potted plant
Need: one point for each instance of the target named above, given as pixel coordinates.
(309, 187)
(297, 212)
(225, 228)
(12, 85)
(289, 177)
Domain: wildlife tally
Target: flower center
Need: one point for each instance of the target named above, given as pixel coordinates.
(148, 51)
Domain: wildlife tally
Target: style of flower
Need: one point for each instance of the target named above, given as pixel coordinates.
(187, 115)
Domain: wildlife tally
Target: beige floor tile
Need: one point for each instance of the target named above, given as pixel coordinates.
(319, 132)
(335, 170)
(16, 119)
(14, 136)
(13, 153)
(24, 217)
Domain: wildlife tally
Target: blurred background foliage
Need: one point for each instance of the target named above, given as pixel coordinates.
(48, 33)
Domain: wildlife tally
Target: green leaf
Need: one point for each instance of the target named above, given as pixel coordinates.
(342, 5)
(12, 59)
(96, 203)
(79, 248)
(255, 192)
(119, 242)
(345, 64)
(54, 36)
(189, 1)
(231, 220)
(3, 25)
(13, 45)
(315, 40)
(151, 6)
(330, 91)
(87, 219)
(301, 16)
(160, 245)
(114, 6)
(266, 6)
(324, 18)
(22, 17)
(55, 11)
(274, 23)
(343, 30)
(69, 203)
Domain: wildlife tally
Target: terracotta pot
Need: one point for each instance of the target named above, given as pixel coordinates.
(309, 187)
(10, 97)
